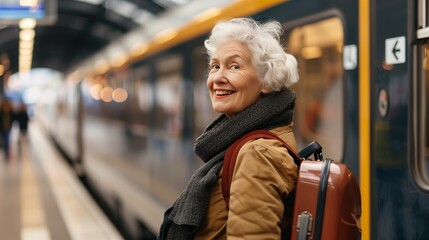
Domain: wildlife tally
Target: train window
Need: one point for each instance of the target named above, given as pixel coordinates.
(319, 113)
(91, 89)
(169, 95)
(203, 110)
(422, 133)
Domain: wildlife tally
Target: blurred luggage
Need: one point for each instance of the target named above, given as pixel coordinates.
(327, 203)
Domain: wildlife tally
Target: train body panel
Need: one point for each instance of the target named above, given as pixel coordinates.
(400, 206)
(362, 95)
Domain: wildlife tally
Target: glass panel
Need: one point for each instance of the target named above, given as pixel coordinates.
(319, 113)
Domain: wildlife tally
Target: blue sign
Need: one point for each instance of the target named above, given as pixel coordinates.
(44, 11)
(19, 12)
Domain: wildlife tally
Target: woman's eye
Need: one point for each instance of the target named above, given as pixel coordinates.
(214, 66)
(235, 67)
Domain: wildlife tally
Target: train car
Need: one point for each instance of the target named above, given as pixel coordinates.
(363, 94)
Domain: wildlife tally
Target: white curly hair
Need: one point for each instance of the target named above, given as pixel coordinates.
(275, 67)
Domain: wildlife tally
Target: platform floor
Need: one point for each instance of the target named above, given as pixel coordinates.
(42, 199)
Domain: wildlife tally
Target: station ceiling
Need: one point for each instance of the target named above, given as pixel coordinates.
(82, 28)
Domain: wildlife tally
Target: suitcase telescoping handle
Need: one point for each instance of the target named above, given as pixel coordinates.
(312, 148)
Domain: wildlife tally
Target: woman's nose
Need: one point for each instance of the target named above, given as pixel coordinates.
(220, 76)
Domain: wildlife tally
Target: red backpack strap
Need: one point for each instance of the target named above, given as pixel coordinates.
(232, 152)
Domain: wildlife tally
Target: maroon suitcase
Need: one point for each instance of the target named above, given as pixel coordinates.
(327, 203)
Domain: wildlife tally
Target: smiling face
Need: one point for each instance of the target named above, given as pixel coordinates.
(233, 82)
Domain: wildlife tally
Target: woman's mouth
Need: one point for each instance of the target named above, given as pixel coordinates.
(223, 92)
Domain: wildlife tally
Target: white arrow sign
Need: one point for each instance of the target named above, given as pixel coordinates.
(395, 50)
(350, 57)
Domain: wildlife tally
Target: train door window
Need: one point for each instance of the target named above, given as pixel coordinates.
(421, 131)
(169, 96)
(319, 111)
(203, 110)
(420, 113)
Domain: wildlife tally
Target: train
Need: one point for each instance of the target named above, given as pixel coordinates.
(128, 122)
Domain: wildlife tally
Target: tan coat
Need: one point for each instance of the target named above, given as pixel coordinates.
(264, 175)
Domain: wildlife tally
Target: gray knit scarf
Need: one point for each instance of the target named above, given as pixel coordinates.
(189, 210)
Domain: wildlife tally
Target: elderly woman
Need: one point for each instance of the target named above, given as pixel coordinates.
(248, 83)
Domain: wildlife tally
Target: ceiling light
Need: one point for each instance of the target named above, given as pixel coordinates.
(27, 23)
(26, 44)
(27, 34)
(29, 3)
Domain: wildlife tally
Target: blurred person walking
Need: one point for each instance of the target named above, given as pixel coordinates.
(21, 116)
(6, 120)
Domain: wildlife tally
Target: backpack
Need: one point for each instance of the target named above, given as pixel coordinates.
(327, 200)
